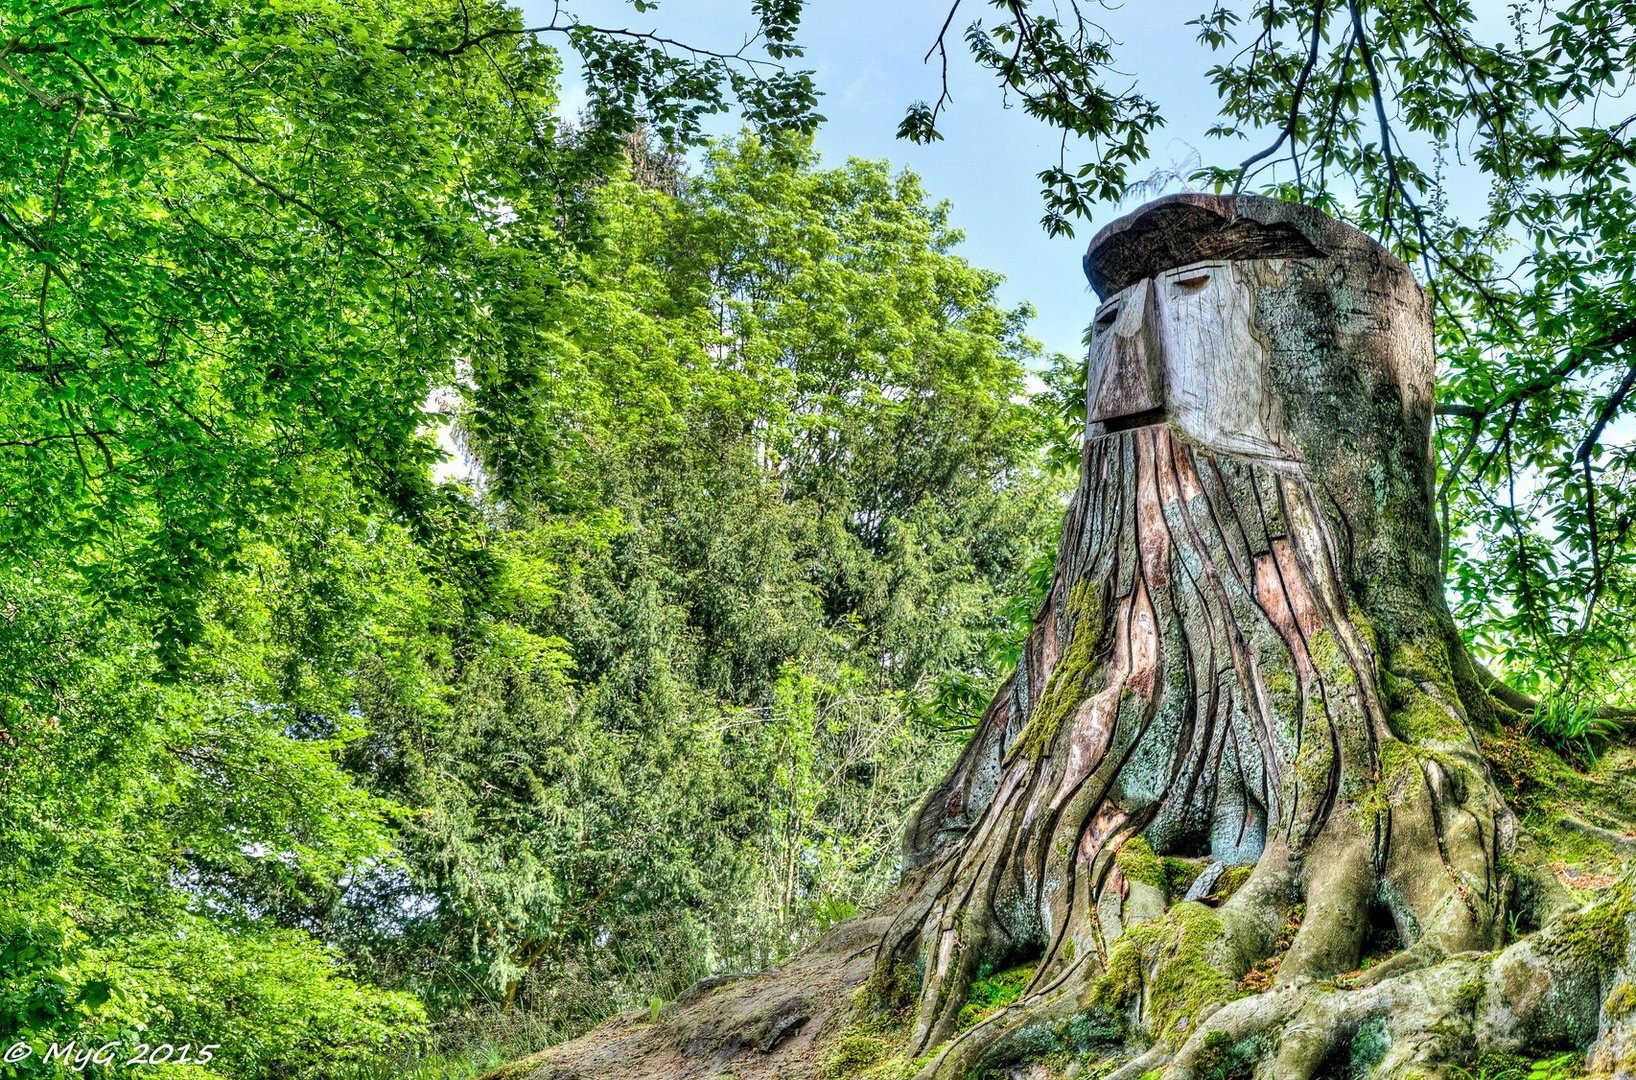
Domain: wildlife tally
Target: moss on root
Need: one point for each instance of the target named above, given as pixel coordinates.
(890, 989)
(1598, 936)
(1227, 1058)
(1179, 875)
(1424, 660)
(1071, 679)
(1368, 1047)
(881, 1010)
(1138, 863)
(991, 993)
(1232, 879)
(1416, 716)
(1621, 1001)
(1169, 959)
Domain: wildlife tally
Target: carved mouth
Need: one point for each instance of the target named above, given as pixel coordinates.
(1145, 418)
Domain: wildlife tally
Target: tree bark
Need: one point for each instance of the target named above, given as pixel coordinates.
(1246, 669)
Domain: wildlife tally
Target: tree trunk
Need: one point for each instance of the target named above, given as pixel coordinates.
(1245, 671)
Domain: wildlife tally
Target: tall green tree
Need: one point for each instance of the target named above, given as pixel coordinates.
(240, 244)
(762, 473)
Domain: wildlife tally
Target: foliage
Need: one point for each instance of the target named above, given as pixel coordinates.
(164, 830)
(241, 245)
(1059, 68)
(1572, 727)
(759, 473)
(1510, 1067)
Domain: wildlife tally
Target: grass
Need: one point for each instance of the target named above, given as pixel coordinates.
(1572, 727)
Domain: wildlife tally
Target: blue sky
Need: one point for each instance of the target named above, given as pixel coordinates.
(868, 59)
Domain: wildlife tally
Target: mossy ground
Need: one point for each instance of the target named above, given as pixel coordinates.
(881, 1009)
(1547, 793)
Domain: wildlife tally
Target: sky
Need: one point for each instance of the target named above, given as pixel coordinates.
(869, 60)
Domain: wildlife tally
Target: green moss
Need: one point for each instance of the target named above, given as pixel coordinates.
(1138, 863)
(1071, 679)
(1179, 875)
(990, 994)
(1232, 879)
(1621, 1002)
(855, 1052)
(890, 989)
(1121, 980)
(1424, 660)
(1597, 936)
(1369, 1047)
(1400, 762)
(881, 1008)
(1226, 1058)
(1325, 652)
(1469, 994)
(1170, 956)
(1314, 763)
(1419, 718)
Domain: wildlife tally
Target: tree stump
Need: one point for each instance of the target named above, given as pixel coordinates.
(1245, 670)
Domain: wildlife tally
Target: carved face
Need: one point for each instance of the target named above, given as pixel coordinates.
(1179, 348)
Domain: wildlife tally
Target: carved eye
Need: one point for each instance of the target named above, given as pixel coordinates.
(1192, 282)
(1106, 316)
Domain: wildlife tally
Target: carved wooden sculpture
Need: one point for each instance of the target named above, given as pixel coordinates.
(1245, 661)
(1246, 652)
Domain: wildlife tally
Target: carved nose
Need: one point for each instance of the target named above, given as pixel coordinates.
(1131, 390)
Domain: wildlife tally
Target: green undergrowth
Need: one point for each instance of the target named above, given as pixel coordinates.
(1511, 1067)
(1573, 729)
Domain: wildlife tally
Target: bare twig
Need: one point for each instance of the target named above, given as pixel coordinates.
(1295, 99)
